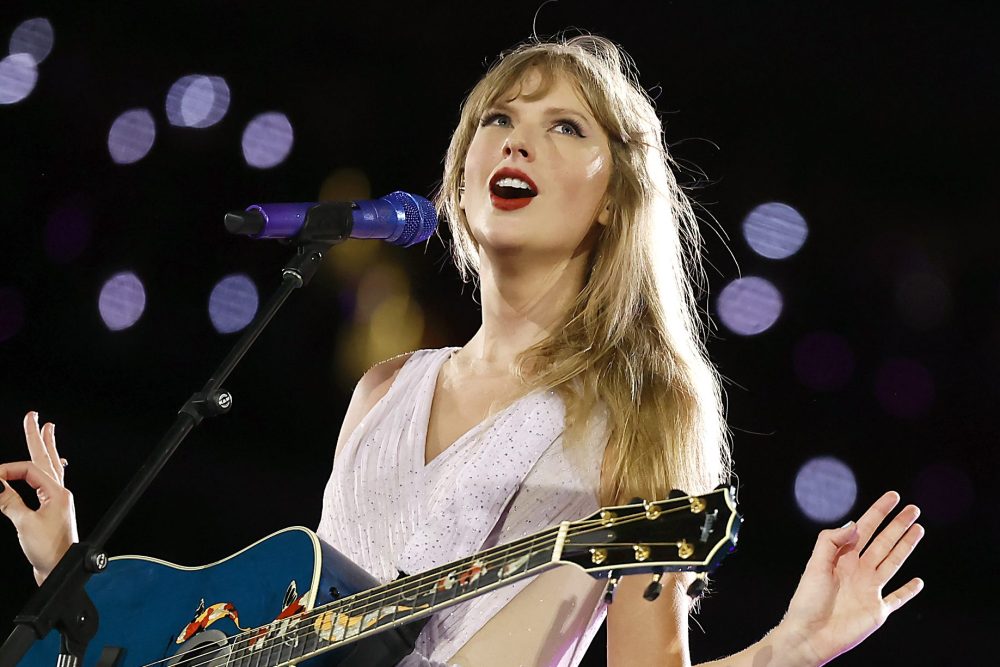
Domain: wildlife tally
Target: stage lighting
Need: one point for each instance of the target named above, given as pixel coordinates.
(825, 489)
(18, 75)
(197, 100)
(267, 140)
(775, 230)
(232, 303)
(34, 37)
(749, 306)
(131, 136)
(122, 301)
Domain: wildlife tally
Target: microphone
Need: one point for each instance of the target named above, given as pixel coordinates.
(399, 218)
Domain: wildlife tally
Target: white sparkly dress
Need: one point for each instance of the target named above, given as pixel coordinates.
(505, 478)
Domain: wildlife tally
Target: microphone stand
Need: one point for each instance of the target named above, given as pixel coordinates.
(61, 601)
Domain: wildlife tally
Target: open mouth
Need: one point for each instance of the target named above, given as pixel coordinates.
(510, 189)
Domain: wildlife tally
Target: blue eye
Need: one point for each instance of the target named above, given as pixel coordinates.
(565, 122)
(490, 119)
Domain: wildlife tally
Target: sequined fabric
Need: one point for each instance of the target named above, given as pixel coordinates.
(505, 478)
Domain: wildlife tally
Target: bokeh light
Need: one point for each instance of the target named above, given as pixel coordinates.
(825, 489)
(197, 100)
(33, 37)
(11, 313)
(131, 136)
(267, 140)
(775, 230)
(66, 234)
(749, 306)
(923, 300)
(944, 492)
(233, 303)
(122, 301)
(18, 75)
(904, 388)
(823, 361)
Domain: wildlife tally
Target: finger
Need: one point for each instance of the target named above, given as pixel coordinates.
(36, 448)
(900, 552)
(33, 475)
(49, 440)
(11, 505)
(890, 535)
(875, 515)
(829, 544)
(903, 594)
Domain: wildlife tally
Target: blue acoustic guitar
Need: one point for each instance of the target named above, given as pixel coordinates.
(290, 598)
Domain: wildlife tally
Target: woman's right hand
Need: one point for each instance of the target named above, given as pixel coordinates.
(45, 534)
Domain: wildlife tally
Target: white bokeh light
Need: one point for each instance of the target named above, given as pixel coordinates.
(749, 306)
(34, 37)
(18, 76)
(197, 100)
(122, 301)
(233, 303)
(267, 140)
(131, 136)
(825, 489)
(775, 230)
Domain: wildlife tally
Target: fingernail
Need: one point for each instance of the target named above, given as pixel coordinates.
(849, 523)
(35, 416)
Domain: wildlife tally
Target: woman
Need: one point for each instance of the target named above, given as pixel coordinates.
(586, 385)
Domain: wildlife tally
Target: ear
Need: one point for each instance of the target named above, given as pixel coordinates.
(605, 215)
(461, 194)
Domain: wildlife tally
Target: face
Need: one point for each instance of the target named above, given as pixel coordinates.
(536, 172)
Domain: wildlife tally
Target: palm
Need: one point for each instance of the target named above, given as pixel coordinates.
(839, 602)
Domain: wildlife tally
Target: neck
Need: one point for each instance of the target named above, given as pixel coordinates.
(523, 303)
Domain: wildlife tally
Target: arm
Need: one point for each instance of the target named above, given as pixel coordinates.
(837, 604)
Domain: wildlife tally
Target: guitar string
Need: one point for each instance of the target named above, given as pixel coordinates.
(304, 618)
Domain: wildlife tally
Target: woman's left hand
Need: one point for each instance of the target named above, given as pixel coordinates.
(839, 602)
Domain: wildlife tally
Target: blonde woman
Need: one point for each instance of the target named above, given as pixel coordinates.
(586, 385)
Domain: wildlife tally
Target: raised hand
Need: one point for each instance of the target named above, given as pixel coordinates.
(47, 532)
(839, 601)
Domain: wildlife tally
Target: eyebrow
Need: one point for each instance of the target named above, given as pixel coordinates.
(551, 111)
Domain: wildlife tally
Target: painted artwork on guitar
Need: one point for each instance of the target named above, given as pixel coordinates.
(154, 614)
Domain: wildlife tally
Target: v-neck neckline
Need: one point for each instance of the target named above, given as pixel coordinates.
(470, 432)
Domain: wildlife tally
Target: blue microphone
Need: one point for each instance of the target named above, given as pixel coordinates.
(399, 218)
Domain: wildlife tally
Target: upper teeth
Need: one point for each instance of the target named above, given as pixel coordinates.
(513, 183)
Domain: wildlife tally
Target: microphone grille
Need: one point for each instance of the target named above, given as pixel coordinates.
(421, 218)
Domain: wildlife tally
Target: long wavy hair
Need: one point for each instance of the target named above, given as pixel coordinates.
(632, 344)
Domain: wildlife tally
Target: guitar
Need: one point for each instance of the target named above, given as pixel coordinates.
(291, 598)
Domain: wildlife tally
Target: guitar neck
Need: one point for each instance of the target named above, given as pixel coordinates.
(407, 599)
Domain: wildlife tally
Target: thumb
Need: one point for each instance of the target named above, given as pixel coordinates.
(831, 541)
(11, 504)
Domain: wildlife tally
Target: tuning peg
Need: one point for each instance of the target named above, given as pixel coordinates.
(697, 587)
(655, 587)
(609, 590)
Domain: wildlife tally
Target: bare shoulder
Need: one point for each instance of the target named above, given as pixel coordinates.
(370, 389)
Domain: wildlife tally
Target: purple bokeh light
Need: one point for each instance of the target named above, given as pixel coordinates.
(122, 301)
(131, 136)
(823, 361)
(267, 140)
(749, 306)
(232, 303)
(944, 492)
(825, 489)
(34, 37)
(904, 388)
(197, 100)
(18, 75)
(775, 230)
(67, 233)
(11, 313)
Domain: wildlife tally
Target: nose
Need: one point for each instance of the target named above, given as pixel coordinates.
(515, 144)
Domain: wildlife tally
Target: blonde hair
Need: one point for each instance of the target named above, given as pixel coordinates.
(633, 339)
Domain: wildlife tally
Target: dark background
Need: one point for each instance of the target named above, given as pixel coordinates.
(874, 120)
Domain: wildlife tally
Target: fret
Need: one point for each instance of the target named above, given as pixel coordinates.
(311, 640)
(285, 642)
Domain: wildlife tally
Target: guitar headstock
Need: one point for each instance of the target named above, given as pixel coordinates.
(682, 533)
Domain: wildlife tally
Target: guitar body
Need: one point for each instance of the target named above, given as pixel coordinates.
(152, 611)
